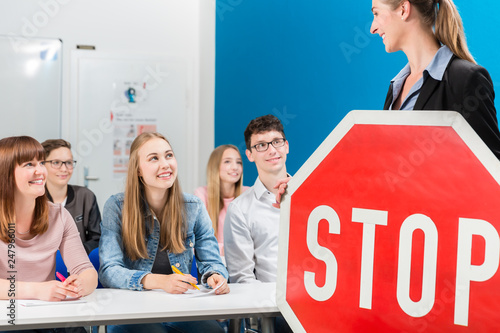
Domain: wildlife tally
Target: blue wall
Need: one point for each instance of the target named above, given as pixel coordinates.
(311, 62)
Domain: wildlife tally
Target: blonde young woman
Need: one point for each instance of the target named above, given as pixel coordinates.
(224, 184)
(152, 226)
(33, 229)
(441, 74)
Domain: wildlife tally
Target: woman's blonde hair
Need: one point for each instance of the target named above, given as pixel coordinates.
(13, 152)
(215, 201)
(172, 217)
(444, 17)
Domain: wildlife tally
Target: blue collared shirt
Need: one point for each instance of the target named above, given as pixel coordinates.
(435, 69)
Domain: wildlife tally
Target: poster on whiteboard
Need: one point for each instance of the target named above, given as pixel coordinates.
(130, 118)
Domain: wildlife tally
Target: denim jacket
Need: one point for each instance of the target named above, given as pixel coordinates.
(119, 271)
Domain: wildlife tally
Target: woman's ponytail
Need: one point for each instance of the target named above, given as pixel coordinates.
(449, 29)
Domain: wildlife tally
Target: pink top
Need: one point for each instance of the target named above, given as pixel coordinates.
(202, 193)
(35, 259)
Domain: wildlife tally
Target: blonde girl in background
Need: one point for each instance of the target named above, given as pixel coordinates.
(224, 184)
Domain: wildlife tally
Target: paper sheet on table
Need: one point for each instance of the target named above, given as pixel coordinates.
(36, 302)
(197, 293)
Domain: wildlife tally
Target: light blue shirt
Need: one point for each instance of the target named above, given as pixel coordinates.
(435, 69)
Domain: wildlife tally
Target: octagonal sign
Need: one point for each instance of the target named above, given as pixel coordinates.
(392, 226)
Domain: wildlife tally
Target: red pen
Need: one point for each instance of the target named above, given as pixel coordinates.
(60, 276)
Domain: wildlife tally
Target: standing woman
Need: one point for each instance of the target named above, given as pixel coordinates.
(224, 184)
(37, 228)
(152, 226)
(441, 74)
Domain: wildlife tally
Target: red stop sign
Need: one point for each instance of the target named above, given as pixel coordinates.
(392, 226)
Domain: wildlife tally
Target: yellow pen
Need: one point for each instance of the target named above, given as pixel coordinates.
(179, 272)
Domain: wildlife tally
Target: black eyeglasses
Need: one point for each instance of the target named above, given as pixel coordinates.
(57, 164)
(263, 146)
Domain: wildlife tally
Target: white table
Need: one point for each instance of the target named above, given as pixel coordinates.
(115, 306)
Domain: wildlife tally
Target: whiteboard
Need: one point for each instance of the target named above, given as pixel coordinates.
(30, 86)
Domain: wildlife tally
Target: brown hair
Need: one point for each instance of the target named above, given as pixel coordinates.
(172, 225)
(444, 16)
(13, 152)
(263, 124)
(50, 145)
(215, 201)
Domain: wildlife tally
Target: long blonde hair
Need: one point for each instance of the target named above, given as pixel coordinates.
(13, 152)
(215, 201)
(448, 27)
(172, 217)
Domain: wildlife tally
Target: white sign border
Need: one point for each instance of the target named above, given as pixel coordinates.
(368, 117)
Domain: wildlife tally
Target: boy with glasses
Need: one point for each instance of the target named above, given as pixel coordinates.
(251, 226)
(79, 201)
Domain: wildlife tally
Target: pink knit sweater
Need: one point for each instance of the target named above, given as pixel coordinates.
(35, 259)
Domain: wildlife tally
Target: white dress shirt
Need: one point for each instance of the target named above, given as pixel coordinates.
(251, 232)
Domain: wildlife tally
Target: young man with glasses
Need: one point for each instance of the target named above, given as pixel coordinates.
(79, 201)
(251, 226)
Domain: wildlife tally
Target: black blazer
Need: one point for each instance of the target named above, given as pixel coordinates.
(466, 88)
